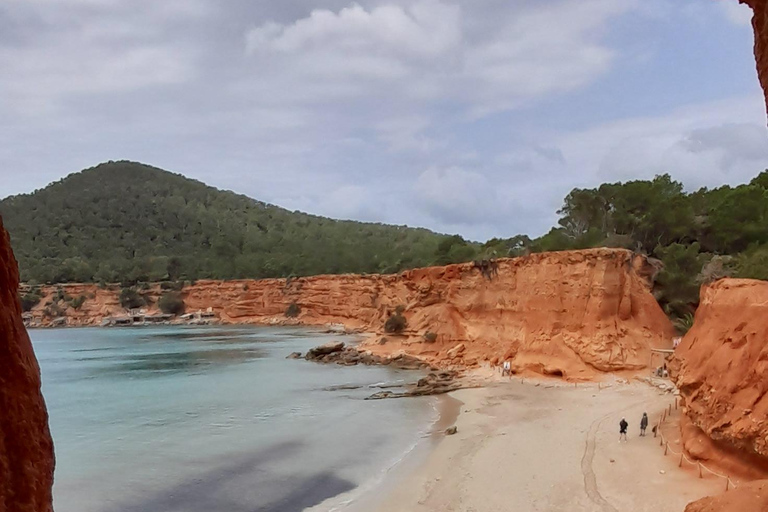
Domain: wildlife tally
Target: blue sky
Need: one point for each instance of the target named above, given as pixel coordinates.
(464, 117)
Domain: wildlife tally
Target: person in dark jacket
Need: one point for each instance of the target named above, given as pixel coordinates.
(623, 429)
(643, 424)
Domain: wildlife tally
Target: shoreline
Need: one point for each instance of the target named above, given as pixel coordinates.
(546, 446)
(367, 496)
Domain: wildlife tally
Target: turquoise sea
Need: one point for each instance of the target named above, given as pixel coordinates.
(205, 419)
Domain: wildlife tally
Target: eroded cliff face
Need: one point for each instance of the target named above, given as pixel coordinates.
(721, 369)
(569, 313)
(760, 26)
(747, 498)
(26, 449)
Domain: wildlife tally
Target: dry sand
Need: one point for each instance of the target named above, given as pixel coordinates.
(541, 445)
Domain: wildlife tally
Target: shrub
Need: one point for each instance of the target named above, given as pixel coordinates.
(717, 268)
(172, 285)
(61, 295)
(685, 323)
(171, 303)
(753, 263)
(131, 299)
(54, 311)
(396, 323)
(293, 310)
(430, 337)
(29, 300)
(78, 302)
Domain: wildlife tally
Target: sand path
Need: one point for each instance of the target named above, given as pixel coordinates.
(548, 446)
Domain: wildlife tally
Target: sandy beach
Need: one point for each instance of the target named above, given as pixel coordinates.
(544, 445)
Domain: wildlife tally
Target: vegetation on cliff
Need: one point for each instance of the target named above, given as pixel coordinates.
(128, 222)
(699, 236)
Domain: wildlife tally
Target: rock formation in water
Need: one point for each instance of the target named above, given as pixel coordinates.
(569, 313)
(26, 448)
(721, 370)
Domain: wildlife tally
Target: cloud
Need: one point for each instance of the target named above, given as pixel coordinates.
(426, 29)
(454, 195)
(700, 145)
(468, 117)
(70, 56)
(431, 51)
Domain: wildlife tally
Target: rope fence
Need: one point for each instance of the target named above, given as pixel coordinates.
(729, 484)
(683, 457)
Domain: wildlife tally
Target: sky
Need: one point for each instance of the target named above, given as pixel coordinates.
(464, 117)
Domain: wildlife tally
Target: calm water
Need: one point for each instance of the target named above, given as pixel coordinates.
(215, 419)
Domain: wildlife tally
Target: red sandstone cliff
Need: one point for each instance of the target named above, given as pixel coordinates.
(760, 26)
(721, 369)
(26, 449)
(568, 313)
(751, 497)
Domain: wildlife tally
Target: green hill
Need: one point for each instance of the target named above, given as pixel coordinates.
(125, 221)
(128, 222)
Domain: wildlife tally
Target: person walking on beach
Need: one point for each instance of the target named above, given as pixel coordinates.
(643, 424)
(623, 429)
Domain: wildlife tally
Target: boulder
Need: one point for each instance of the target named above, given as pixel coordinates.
(294, 355)
(325, 349)
(451, 430)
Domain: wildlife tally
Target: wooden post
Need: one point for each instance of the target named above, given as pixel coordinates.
(681, 460)
(670, 409)
(727, 481)
(666, 448)
(700, 474)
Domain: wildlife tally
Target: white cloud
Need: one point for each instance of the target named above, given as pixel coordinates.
(427, 28)
(431, 51)
(469, 117)
(700, 145)
(70, 55)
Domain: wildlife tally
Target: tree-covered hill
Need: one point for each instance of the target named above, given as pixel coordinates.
(125, 221)
(128, 222)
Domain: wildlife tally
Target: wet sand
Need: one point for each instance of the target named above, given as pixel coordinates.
(541, 445)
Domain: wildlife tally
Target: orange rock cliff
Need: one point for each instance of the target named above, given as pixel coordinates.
(721, 369)
(568, 313)
(760, 26)
(26, 449)
(26, 452)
